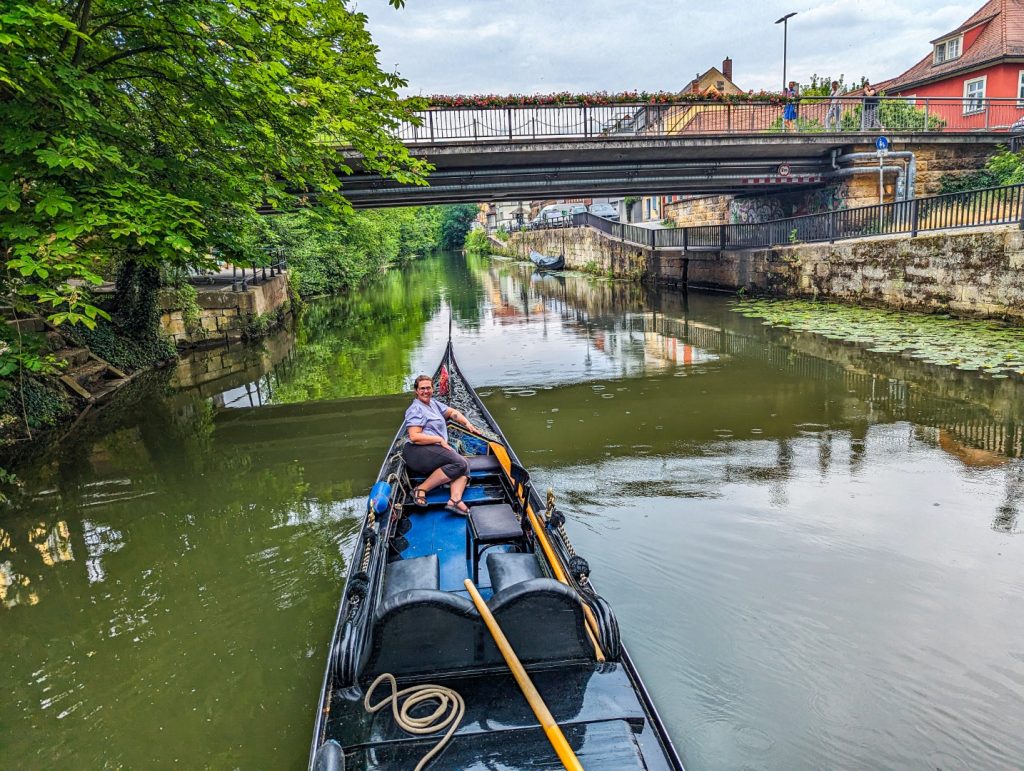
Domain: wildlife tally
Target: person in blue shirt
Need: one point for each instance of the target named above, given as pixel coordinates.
(789, 114)
(427, 452)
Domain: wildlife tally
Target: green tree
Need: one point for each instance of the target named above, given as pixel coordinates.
(148, 133)
(327, 254)
(455, 224)
(821, 85)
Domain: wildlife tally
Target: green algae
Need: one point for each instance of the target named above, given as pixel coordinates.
(987, 347)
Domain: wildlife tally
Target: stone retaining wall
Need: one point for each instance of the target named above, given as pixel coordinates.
(977, 272)
(224, 316)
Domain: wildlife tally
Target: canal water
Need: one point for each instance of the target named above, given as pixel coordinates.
(814, 550)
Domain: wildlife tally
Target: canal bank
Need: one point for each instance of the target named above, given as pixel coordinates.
(973, 273)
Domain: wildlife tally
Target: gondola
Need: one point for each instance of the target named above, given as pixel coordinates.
(544, 262)
(429, 596)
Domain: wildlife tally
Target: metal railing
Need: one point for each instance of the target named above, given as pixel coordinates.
(892, 115)
(240, 277)
(974, 208)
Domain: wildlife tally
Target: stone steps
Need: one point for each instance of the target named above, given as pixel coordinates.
(73, 357)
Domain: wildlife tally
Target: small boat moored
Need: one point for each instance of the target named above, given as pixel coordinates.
(544, 262)
(485, 626)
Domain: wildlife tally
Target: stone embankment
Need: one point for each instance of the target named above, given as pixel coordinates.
(224, 315)
(977, 272)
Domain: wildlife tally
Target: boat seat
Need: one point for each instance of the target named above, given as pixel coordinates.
(480, 466)
(484, 463)
(507, 568)
(543, 620)
(416, 573)
(489, 526)
(421, 631)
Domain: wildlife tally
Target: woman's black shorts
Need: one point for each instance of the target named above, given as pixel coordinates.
(425, 458)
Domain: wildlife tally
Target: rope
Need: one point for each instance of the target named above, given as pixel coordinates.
(448, 701)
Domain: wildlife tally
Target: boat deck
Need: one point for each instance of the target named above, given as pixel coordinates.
(436, 531)
(595, 704)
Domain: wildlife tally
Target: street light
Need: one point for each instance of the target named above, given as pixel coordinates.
(784, 21)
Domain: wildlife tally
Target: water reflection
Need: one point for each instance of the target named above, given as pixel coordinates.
(832, 570)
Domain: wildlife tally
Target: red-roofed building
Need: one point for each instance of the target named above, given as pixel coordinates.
(983, 58)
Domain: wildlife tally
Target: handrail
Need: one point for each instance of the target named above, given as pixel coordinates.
(949, 211)
(483, 120)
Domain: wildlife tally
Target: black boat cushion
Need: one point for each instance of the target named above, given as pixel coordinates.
(507, 569)
(484, 463)
(495, 523)
(416, 573)
(426, 631)
(543, 620)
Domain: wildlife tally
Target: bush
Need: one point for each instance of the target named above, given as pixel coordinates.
(110, 342)
(477, 243)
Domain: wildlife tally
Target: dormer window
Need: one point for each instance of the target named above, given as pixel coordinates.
(947, 50)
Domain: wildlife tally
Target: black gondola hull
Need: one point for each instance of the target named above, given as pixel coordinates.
(564, 632)
(545, 262)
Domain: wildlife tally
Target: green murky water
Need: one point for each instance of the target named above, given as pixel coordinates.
(814, 549)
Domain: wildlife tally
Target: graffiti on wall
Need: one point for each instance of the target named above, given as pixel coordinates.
(777, 206)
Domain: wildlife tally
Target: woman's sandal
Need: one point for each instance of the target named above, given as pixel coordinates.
(419, 496)
(456, 507)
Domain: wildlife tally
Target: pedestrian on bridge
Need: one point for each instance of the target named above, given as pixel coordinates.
(789, 115)
(835, 108)
(869, 116)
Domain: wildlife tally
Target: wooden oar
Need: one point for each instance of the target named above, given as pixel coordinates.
(540, 709)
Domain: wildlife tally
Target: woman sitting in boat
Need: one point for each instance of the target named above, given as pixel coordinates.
(427, 452)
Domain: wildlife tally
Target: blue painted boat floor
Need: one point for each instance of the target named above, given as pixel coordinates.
(436, 531)
(472, 494)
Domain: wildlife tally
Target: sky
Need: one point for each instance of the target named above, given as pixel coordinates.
(533, 47)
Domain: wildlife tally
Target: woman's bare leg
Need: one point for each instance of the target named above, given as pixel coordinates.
(459, 487)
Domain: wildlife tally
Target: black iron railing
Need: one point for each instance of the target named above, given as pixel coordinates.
(241, 277)
(988, 206)
(890, 115)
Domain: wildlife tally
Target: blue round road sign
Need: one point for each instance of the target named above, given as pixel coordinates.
(881, 143)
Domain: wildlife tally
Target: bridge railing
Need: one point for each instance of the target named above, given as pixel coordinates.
(988, 206)
(892, 115)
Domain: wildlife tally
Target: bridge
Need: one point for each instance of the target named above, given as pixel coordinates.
(484, 151)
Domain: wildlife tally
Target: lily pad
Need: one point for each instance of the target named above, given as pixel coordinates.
(991, 348)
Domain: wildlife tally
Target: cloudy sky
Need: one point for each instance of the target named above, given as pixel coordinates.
(528, 46)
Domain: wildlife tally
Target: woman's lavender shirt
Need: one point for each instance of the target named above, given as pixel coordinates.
(430, 417)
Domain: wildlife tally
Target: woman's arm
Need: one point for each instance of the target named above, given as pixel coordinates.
(416, 436)
(458, 417)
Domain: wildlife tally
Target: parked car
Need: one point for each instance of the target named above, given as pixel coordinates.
(549, 215)
(605, 210)
(577, 208)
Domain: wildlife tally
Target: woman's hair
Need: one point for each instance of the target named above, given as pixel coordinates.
(419, 379)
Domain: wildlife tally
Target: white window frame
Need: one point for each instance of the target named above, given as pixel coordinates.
(944, 49)
(970, 101)
(1020, 88)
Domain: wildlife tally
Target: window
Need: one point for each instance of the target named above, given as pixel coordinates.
(948, 49)
(974, 95)
(1020, 88)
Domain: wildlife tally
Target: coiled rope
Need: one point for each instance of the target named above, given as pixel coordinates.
(449, 701)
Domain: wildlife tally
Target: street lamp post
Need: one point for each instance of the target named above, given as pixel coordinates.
(784, 21)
